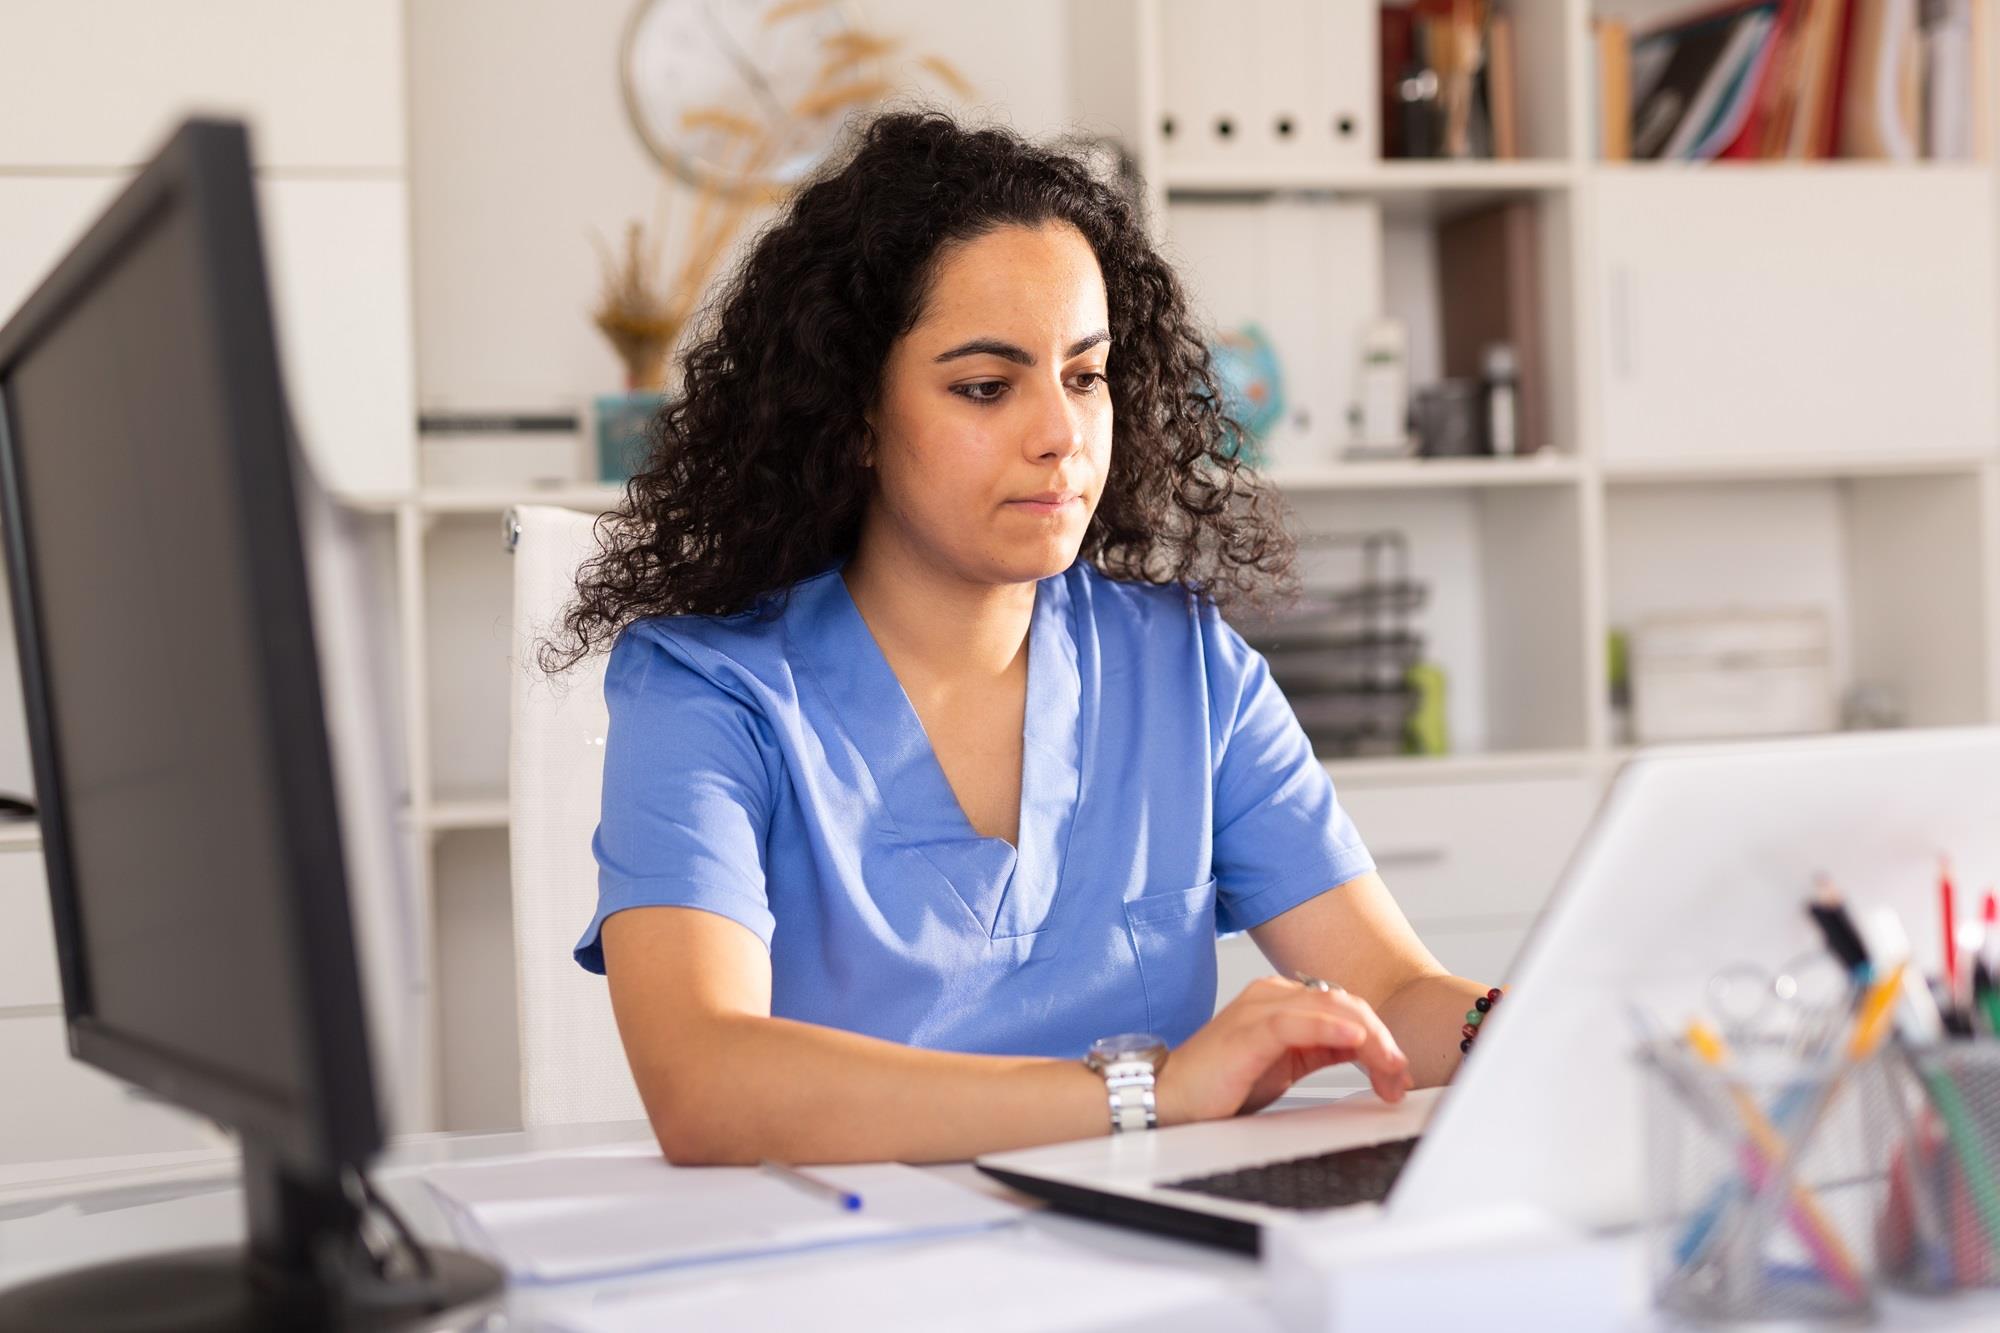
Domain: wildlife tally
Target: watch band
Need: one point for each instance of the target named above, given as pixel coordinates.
(1129, 1085)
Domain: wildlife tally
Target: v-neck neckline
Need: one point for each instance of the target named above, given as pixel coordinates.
(1007, 887)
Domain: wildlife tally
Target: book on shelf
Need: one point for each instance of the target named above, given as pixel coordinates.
(1613, 90)
(1794, 80)
(1502, 99)
(1489, 281)
(1690, 80)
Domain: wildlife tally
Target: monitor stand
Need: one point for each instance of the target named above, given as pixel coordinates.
(304, 1266)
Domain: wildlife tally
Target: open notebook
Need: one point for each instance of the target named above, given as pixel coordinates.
(601, 1213)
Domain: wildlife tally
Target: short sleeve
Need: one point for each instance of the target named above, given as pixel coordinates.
(687, 794)
(1280, 835)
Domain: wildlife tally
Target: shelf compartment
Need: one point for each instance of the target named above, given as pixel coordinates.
(1893, 560)
(1505, 614)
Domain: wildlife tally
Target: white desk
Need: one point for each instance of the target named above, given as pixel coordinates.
(66, 1215)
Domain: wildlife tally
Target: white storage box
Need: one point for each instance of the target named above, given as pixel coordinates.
(1732, 673)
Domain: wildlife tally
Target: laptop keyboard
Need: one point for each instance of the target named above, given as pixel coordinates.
(1330, 1180)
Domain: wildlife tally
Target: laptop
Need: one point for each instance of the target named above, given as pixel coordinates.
(1698, 858)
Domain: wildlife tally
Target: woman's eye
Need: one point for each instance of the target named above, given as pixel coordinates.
(1095, 377)
(974, 391)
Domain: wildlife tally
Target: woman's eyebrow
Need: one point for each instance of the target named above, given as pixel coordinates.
(1019, 355)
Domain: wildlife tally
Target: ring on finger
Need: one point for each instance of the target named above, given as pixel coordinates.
(1317, 983)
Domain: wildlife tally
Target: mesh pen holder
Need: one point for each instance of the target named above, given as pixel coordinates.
(1764, 1183)
(1938, 1226)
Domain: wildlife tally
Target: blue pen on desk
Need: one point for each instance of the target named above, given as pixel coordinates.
(791, 1175)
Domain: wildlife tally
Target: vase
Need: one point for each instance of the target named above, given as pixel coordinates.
(623, 420)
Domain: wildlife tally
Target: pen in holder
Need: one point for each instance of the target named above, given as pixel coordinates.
(1764, 1180)
(1938, 1228)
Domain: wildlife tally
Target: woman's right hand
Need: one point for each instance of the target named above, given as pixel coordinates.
(1266, 1039)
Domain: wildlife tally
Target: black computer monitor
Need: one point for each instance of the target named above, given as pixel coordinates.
(151, 486)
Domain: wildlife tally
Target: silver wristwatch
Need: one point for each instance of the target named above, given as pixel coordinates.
(1129, 1063)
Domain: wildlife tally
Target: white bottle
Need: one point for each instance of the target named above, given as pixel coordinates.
(1382, 418)
(1503, 393)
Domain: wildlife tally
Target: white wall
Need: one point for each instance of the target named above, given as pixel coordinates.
(520, 150)
(90, 88)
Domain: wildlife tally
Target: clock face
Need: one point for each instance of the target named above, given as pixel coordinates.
(734, 93)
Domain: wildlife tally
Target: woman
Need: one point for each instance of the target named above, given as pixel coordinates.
(930, 760)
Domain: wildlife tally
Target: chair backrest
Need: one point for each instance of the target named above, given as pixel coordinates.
(572, 1065)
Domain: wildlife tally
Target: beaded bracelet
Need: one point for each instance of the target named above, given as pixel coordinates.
(1474, 1017)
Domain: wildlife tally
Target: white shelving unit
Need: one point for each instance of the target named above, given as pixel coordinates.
(1773, 383)
(1856, 463)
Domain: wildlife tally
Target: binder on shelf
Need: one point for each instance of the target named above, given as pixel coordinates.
(1187, 83)
(1340, 83)
(1489, 284)
(1247, 262)
(1282, 120)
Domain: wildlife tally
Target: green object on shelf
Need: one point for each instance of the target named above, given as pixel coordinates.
(1617, 657)
(1425, 732)
(622, 420)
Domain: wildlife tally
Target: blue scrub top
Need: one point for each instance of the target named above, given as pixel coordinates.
(773, 771)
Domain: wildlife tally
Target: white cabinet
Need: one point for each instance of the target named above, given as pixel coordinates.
(1843, 310)
(1465, 854)
(1471, 864)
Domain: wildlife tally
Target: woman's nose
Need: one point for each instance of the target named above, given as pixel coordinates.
(1058, 427)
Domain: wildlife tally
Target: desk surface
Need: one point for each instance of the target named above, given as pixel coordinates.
(58, 1216)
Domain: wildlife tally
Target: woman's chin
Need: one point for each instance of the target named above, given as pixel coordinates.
(1027, 561)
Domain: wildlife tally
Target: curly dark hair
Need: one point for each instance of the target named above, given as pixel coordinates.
(754, 477)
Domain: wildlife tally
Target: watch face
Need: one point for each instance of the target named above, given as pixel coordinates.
(1106, 1049)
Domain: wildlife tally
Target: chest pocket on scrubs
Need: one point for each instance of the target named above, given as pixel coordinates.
(1174, 934)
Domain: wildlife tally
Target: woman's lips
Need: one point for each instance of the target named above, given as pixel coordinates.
(1039, 506)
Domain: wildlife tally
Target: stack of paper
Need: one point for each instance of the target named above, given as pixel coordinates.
(1017, 1279)
(574, 1216)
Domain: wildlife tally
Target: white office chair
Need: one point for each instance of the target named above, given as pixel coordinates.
(572, 1066)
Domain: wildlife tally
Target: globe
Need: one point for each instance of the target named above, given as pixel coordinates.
(1253, 390)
